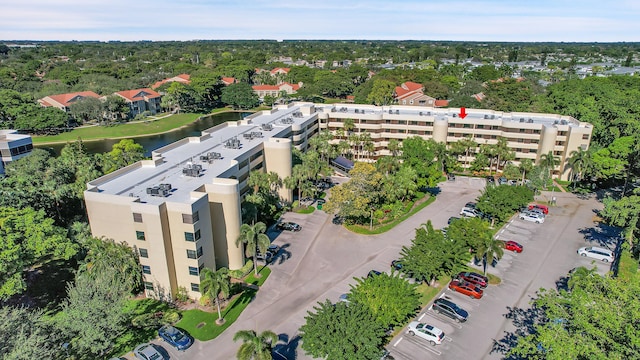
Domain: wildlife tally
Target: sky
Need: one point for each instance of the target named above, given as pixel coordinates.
(470, 20)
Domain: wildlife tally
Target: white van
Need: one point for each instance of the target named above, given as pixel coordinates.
(598, 253)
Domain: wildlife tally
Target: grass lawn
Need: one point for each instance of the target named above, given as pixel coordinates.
(122, 130)
(209, 330)
(364, 229)
(627, 265)
(427, 293)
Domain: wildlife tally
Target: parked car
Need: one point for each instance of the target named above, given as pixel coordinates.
(466, 288)
(536, 211)
(598, 253)
(513, 246)
(147, 352)
(428, 332)
(264, 257)
(491, 180)
(468, 212)
(533, 217)
(502, 180)
(396, 264)
(450, 309)
(175, 337)
(543, 208)
(452, 219)
(373, 273)
(451, 177)
(344, 298)
(289, 226)
(470, 205)
(386, 355)
(474, 278)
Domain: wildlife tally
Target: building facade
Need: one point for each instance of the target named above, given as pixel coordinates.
(64, 101)
(141, 100)
(13, 146)
(529, 135)
(181, 209)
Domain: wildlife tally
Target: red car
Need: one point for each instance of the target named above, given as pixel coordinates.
(474, 278)
(543, 208)
(466, 288)
(513, 246)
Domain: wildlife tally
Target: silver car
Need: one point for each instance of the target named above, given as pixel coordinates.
(598, 253)
(533, 217)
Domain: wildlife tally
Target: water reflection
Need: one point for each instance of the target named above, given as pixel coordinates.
(153, 142)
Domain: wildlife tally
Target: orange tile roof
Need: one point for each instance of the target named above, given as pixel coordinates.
(182, 78)
(276, 70)
(138, 94)
(69, 98)
(407, 87)
(441, 103)
(295, 87)
(229, 80)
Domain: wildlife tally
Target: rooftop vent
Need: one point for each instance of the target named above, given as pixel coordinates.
(420, 113)
(211, 156)
(455, 115)
(287, 120)
(563, 122)
(266, 127)
(192, 170)
(530, 121)
(159, 191)
(297, 114)
(493, 116)
(397, 112)
(521, 120)
(232, 143)
(390, 111)
(486, 116)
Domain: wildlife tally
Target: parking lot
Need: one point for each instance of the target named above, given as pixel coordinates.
(549, 254)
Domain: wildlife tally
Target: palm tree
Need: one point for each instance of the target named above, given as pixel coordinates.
(255, 346)
(394, 147)
(254, 239)
(465, 145)
(526, 165)
(215, 284)
(580, 162)
(488, 250)
(549, 161)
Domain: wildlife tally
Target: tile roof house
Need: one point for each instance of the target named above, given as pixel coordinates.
(141, 100)
(410, 93)
(64, 101)
(182, 78)
(441, 103)
(229, 80)
(274, 90)
(280, 71)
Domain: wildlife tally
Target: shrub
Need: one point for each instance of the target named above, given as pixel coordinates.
(243, 271)
(171, 317)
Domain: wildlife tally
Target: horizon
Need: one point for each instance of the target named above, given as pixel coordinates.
(545, 21)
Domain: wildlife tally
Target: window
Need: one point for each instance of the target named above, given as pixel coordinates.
(148, 285)
(585, 136)
(191, 254)
(137, 217)
(466, 126)
(195, 287)
(146, 269)
(140, 235)
(199, 252)
(143, 252)
(189, 236)
(190, 218)
(193, 271)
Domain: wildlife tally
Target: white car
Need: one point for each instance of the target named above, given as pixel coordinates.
(147, 352)
(595, 252)
(427, 332)
(533, 217)
(468, 212)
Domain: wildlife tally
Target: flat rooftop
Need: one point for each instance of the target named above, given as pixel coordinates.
(452, 114)
(249, 134)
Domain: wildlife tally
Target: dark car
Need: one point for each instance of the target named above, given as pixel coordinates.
(175, 337)
(451, 177)
(452, 219)
(289, 226)
(474, 278)
(502, 180)
(450, 309)
(373, 273)
(490, 180)
(396, 264)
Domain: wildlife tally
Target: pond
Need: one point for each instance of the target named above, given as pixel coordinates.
(153, 142)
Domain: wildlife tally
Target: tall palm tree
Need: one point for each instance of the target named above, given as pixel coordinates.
(255, 346)
(489, 249)
(215, 284)
(254, 239)
(549, 161)
(580, 162)
(526, 165)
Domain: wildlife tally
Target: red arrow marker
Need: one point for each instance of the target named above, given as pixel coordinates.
(463, 113)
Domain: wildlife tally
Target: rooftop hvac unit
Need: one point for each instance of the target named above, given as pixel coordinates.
(455, 115)
(266, 127)
(428, 113)
(530, 121)
(390, 111)
(233, 143)
(486, 116)
(165, 187)
(493, 116)
(256, 134)
(521, 120)
(420, 113)
(247, 136)
(192, 170)
(397, 112)
(563, 122)
(555, 122)
(297, 114)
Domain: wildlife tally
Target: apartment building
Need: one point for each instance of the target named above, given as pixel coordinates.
(141, 100)
(529, 135)
(64, 101)
(180, 210)
(13, 146)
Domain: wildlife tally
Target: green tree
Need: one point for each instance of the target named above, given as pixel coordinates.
(580, 162)
(489, 250)
(525, 166)
(391, 299)
(215, 284)
(87, 109)
(118, 259)
(500, 202)
(30, 335)
(464, 146)
(93, 315)
(125, 152)
(420, 155)
(342, 332)
(255, 240)
(624, 212)
(470, 231)
(240, 95)
(381, 93)
(255, 346)
(549, 162)
(28, 238)
(400, 185)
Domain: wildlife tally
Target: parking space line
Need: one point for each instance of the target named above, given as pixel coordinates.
(421, 316)
(448, 339)
(446, 319)
(398, 342)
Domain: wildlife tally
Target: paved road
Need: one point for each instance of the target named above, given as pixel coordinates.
(320, 262)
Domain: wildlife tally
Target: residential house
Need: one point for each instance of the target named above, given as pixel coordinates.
(64, 101)
(182, 78)
(228, 81)
(141, 100)
(412, 94)
(274, 90)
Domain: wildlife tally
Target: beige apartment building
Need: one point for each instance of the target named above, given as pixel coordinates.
(529, 135)
(180, 210)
